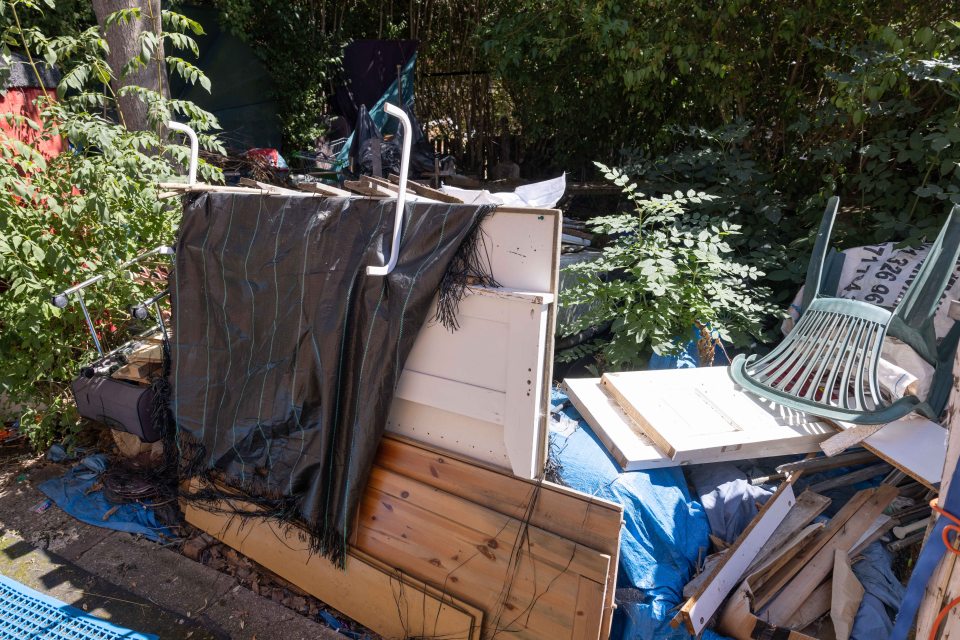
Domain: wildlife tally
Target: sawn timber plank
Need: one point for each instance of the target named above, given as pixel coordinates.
(383, 599)
(529, 583)
(584, 519)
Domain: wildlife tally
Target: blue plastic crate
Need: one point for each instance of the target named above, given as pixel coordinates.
(26, 614)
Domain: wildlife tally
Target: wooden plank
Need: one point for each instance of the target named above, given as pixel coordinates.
(808, 506)
(782, 555)
(813, 608)
(851, 478)
(697, 612)
(365, 189)
(944, 584)
(703, 412)
(621, 436)
(581, 518)
(425, 191)
(324, 189)
(848, 438)
(529, 583)
(815, 465)
(784, 575)
(383, 599)
(840, 535)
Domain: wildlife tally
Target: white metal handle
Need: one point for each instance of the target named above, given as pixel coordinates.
(401, 115)
(194, 149)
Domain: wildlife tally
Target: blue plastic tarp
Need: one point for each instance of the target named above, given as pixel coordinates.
(664, 536)
(72, 493)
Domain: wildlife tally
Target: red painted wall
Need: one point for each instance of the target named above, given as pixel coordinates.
(20, 101)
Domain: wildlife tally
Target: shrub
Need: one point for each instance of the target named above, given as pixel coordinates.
(86, 210)
(668, 268)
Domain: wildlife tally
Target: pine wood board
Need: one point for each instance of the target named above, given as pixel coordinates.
(592, 522)
(531, 582)
(807, 507)
(759, 574)
(425, 191)
(698, 611)
(586, 520)
(843, 535)
(383, 599)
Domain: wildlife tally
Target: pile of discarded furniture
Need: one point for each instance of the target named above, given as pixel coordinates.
(827, 389)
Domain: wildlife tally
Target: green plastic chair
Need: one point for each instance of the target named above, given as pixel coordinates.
(827, 365)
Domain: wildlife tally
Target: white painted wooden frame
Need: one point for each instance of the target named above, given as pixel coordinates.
(483, 391)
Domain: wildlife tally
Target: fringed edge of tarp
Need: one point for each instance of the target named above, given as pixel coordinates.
(470, 265)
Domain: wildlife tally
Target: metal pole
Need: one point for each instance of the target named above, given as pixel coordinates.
(93, 332)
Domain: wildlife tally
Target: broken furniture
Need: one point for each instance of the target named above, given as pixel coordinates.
(828, 364)
(453, 536)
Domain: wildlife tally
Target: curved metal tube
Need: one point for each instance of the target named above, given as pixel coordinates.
(401, 115)
(194, 149)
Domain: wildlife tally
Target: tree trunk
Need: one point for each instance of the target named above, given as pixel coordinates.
(124, 41)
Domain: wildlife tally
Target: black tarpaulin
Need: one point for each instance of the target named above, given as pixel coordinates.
(286, 354)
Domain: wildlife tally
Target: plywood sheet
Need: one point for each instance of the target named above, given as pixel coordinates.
(693, 414)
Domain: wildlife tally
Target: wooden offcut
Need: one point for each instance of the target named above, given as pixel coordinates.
(697, 612)
(843, 532)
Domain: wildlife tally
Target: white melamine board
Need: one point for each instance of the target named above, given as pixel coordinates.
(477, 391)
(702, 415)
(914, 445)
(625, 441)
(483, 390)
(698, 610)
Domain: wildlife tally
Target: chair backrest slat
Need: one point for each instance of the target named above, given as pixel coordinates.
(828, 364)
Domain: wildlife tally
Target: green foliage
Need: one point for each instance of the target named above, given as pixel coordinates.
(588, 78)
(65, 217)
(669, 267)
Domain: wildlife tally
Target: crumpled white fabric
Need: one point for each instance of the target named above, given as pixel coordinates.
(539, 195)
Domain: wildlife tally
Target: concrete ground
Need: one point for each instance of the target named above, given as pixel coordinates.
(128, 580)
